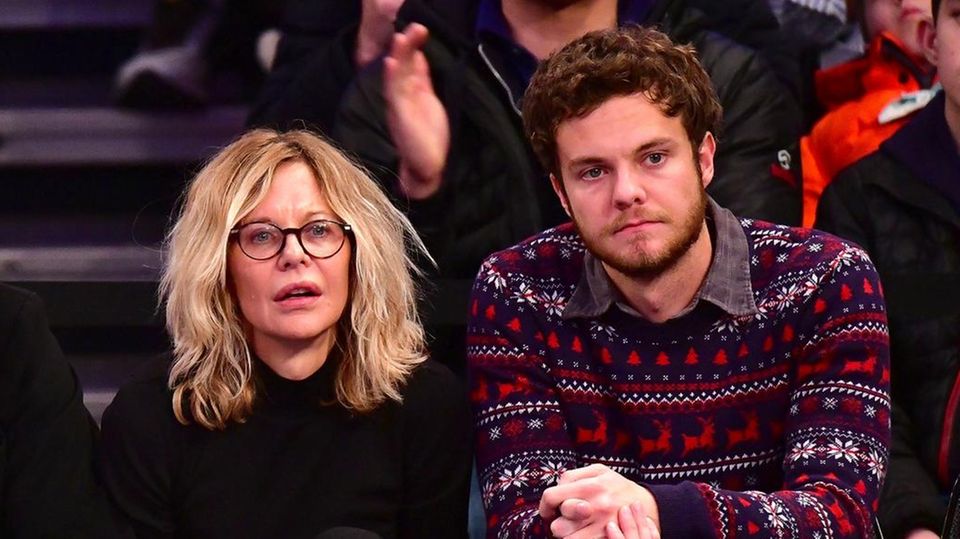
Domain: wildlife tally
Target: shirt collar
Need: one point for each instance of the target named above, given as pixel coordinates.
(728, 284)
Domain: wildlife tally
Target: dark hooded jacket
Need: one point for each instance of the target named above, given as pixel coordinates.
(902, 204)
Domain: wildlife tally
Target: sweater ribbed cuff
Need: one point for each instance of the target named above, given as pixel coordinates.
(683, 512)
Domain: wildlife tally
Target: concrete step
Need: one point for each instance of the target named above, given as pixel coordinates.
(116, 263)
(108, 136)
(31, 14)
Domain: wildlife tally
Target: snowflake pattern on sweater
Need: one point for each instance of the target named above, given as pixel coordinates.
(768, 425)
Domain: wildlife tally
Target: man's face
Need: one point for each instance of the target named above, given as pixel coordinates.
(946, 53)
(631, 183)
(880, 16)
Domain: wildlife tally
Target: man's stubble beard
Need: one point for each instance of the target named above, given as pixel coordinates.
(643, 265)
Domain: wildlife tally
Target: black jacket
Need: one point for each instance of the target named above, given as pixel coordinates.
(313, 65)
(888, 204)
(495, 194)
(47, 486)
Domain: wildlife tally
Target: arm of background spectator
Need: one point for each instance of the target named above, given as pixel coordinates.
(841, 212)
(522, 441)
(760, 120)
(836, 431)
(361, 130)
(376, 29)
(753, 23)
(46, 435)
(417, 119)
(313, 67)
(910, 498)
(437, 455)
(137, 463)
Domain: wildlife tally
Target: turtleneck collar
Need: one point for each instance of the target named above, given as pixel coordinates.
(312, 392)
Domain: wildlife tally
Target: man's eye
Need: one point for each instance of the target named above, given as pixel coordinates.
(593, 173)
(655, 158)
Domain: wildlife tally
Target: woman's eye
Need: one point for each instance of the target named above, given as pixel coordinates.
(262, 236)
(317, 230)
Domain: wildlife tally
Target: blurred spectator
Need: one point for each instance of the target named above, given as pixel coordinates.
(196, 51)
(870, 98)
(827, 27)
(464, 167)
(325, 42)
(47, 437)
(318, 55)
(902, 203)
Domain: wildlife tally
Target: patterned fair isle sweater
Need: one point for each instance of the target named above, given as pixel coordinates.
(769, 425)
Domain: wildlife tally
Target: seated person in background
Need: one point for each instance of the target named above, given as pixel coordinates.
(902, 204)
(867, 99)
(442, 114)
(323, 44)
(299, 398)
(47, 437)
(727, 374)
(197, 52)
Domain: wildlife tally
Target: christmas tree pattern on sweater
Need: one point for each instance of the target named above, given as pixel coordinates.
(774, 425)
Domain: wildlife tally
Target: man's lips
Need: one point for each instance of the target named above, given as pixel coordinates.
(299, 290)
(634, 225)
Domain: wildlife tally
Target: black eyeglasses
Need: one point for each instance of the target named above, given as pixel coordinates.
(320, 239)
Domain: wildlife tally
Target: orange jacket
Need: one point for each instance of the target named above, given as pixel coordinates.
(854, 95)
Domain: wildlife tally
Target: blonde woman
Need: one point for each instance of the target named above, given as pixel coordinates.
(299, 398)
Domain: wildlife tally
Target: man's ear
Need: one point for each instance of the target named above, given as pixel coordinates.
(927, 37)
(708, 147)
(561, 194)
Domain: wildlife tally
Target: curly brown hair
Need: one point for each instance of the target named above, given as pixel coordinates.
(585, 73)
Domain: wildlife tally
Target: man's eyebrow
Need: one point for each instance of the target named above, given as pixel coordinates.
(655, 143)
(658, 142)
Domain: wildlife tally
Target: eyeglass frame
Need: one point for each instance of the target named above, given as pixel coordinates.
(296, 231)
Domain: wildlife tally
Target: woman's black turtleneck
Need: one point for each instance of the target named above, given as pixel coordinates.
(296, 466)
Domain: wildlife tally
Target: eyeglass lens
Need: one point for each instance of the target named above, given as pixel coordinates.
(321, 239)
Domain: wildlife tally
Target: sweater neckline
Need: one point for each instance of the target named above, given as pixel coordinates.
(307, 394)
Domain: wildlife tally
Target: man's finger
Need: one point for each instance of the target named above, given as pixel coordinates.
(629, 524)
(576, 509)
(613, 531)
(577, 474)
(564, 527)
(551, 498)
(652, 527)
(417, 34)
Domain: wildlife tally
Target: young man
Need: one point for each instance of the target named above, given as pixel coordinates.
(902, 204)
(730, 376)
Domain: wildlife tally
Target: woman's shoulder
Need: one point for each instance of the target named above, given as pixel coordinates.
(431, 379)
(433, 389)
(145, 398)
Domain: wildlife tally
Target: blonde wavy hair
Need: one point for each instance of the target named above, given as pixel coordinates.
(212, 375)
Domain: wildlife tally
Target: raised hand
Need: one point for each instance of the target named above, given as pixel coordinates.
(376, 29)
(417, 120)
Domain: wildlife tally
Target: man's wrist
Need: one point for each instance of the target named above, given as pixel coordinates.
(418, 186)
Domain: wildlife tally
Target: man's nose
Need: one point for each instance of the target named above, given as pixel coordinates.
(628, 188)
